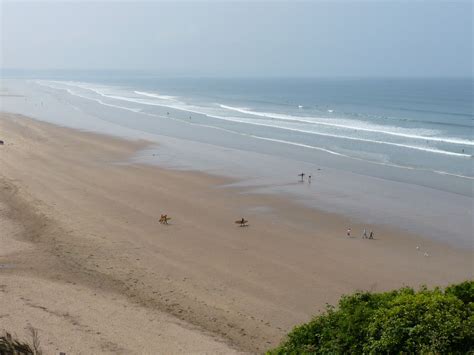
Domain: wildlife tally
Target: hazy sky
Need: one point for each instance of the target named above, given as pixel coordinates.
(222, 38)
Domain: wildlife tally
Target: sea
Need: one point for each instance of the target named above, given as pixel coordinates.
(414, 123)
(408, 131)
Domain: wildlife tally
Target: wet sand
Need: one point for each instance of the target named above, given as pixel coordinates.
(87, 263)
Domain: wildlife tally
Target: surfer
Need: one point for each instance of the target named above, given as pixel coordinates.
(242, 222)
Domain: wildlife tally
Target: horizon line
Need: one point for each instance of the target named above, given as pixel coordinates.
(156, 72)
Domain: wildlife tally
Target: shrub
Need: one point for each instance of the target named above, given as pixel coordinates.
(401, 321)
(11, 346)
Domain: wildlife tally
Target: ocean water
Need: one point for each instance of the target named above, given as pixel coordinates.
(424, 124)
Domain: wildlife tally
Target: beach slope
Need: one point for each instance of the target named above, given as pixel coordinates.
(85, 261)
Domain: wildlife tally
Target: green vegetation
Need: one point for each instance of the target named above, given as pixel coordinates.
(401, 321)
(12, 346)
(8, 345)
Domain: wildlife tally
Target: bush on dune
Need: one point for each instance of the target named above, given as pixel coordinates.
(11, 346)
(401, 321)
(8, 345)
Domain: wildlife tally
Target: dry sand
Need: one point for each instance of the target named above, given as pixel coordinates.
(84, 260)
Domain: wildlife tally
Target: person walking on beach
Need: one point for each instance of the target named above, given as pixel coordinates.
(348, 232)
(364, 234)
(302, 176)
(371, 235)
(309, 179)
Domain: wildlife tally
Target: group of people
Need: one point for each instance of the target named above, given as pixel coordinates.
(302, 175)
(164, 219)
(364, 234)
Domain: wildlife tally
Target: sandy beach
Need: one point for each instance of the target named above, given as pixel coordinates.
(84, 260)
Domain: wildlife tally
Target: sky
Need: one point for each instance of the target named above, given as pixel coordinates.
(242, 38)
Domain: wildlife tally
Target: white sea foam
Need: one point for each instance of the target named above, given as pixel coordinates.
(451, 174)
(156, 96)
(136, 110)
(235, 119)
(360, 127)
(316, 121)
(180, 106)
(321, 149)
(431, 150)
(299, 145)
